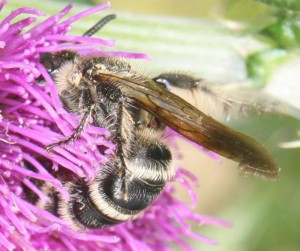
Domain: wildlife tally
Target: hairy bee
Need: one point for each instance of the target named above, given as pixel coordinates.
(135, 109)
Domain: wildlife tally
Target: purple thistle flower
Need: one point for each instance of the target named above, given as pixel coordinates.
(32, 117)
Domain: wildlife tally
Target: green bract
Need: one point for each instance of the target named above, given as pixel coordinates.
(287, 4)
(285, 32)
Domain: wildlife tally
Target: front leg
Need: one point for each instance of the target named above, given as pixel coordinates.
(88, 106)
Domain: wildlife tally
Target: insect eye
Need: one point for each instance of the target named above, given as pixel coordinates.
(47, 60)
(158, 152)
(53, 61)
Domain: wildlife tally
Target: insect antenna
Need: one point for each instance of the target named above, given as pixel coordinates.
(98, 26)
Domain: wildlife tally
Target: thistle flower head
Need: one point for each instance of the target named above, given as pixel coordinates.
(32, 117)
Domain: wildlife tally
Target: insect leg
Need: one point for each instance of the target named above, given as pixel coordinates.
(183, 85)
(90, 106)
(184, 81)
(221, 101)
(120, 145)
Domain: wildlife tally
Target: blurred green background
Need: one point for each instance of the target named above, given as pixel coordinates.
(211, 39)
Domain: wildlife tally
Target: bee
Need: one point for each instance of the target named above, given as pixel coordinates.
(135, 109)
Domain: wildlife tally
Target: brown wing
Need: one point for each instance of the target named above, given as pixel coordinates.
(193, 124)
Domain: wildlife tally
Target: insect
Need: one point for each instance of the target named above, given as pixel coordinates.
(135, 109)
